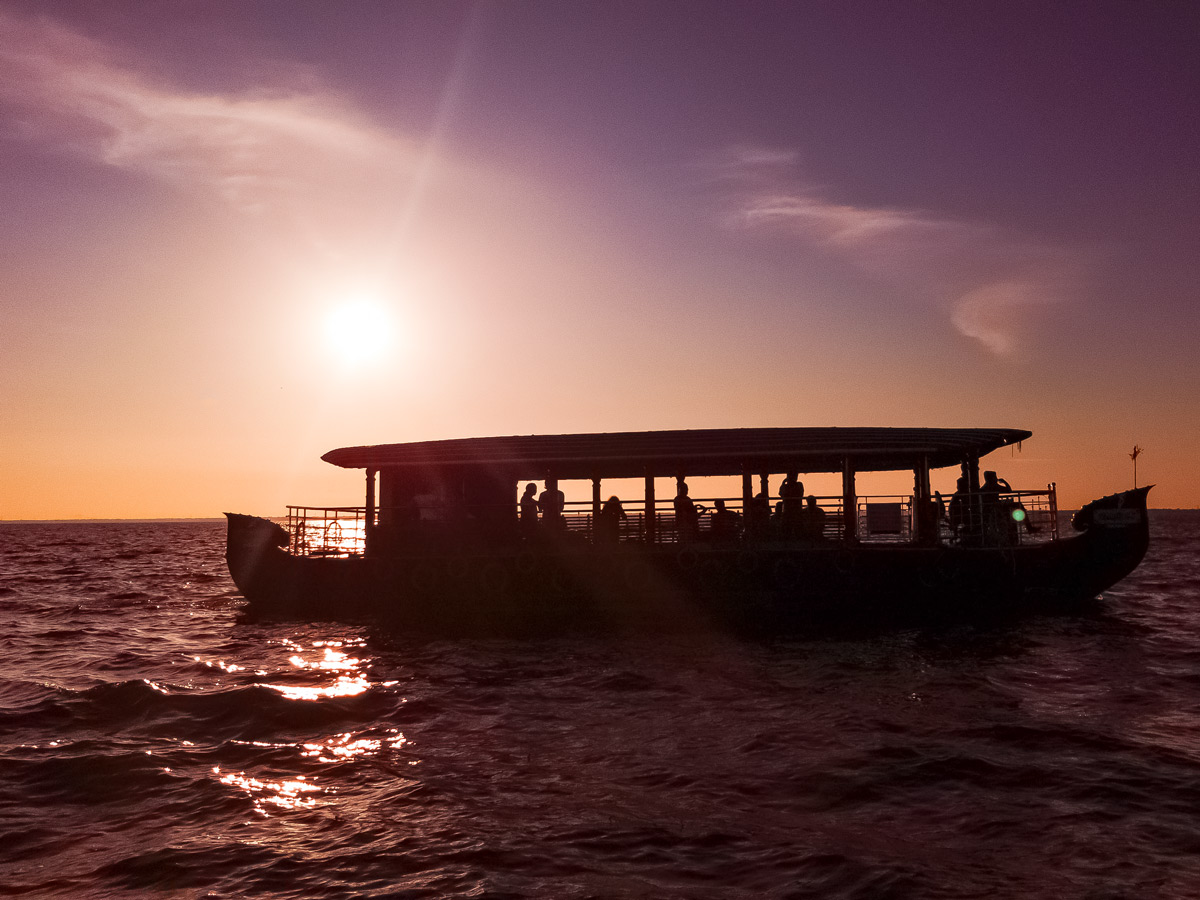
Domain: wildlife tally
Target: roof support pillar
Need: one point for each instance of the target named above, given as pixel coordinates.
(595, 500)
(747, 490)
(849, 503)
(971, 470)
(651, 535)
(369, 513)
(925, 514)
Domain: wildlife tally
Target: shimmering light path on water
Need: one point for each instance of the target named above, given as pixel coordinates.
(154, 739)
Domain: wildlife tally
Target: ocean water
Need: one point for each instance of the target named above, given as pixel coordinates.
(156, 741)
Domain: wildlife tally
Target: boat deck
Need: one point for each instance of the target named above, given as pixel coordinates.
(1013, 519)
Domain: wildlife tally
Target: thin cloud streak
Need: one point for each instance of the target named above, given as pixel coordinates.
(255, 152)
(990, 282)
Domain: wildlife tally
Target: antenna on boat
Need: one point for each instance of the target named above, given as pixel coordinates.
(1137, 451)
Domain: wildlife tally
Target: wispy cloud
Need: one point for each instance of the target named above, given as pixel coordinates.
(989, 280)
(255, 151)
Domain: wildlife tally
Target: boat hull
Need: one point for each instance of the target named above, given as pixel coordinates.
(770, 586)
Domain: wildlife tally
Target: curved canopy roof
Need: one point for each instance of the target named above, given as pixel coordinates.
(717, 451)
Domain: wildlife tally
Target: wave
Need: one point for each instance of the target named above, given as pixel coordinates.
(249, 711)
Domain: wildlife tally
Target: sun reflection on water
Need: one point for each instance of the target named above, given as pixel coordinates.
(315, 670)
(350, 680)
(289, 794)
(341, 747)
(345, 686)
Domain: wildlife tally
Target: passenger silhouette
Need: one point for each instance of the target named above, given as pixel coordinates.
(758, 515)
(999, 527)
(812, 521)
(960, 513)
(993, 485)
(551, 504)
(687, 517)
(725, 522)
(529, 510)
(608, 524)
(791, 494)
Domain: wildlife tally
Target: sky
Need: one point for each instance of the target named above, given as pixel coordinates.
(236, 235)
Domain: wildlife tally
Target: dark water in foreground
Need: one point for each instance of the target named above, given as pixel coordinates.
(153, 741)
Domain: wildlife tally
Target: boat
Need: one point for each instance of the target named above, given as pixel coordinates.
(444, 540)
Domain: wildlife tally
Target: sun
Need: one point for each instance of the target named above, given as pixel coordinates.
(359, 331)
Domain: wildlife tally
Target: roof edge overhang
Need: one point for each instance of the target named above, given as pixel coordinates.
(698, 452)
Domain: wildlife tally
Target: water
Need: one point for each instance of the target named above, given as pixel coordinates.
(156, 741)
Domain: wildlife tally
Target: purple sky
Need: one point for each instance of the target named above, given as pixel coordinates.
(589, 216)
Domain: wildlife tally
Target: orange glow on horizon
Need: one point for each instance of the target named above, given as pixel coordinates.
(215, 272)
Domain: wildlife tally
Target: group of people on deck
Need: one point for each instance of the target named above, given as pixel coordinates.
(794, 516)
(983, 517)
(549, 506)
(980, 517)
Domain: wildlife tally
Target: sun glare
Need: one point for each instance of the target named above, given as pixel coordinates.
(359, 331)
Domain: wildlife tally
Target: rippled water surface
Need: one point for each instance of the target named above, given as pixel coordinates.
(156, 741)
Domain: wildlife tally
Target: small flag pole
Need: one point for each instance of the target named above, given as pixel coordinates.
(1137, 451)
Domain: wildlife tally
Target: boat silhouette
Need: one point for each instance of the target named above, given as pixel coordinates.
(443, 543)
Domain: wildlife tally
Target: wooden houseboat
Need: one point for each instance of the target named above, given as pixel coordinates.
(446, 541)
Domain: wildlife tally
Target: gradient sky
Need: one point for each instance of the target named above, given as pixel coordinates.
(587, 217)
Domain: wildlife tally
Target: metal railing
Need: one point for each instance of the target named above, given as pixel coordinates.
(1007, 519)
(885, 519)
(975, 520)
(327, 530)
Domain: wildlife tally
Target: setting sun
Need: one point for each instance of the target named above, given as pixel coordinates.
(360, 330)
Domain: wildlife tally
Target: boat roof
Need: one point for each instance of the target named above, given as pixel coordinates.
(699, 452)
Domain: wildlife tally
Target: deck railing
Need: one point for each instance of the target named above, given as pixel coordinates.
(327, 530)
(1008, 519)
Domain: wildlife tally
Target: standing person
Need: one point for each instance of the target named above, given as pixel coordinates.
(608, 525)
(551, 504)
(959, 512)
(999, 529)
(791, 494)
(529, 511)
(687, 519)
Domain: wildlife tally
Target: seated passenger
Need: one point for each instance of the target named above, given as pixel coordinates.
(608, 523)
(758, 515)
(812, 521)
(725, 523)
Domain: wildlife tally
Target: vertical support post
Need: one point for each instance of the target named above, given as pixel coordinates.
(764, 485)
(651, 529)
(595, 500)
(975, 517)
(924, 515)
(747, 490)
(849, 503)
(1052, 489)
(369, 514)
